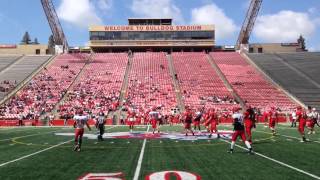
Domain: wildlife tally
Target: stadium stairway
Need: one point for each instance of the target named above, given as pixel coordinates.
(176, 84)
(200, 84)
(225, 81)
(123, 91)
(150, 83)
(55, 109)
(300, 86)
(22, 71)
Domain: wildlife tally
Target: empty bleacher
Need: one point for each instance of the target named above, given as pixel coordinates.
(294, 82)
(200, 84)
(249, 84)
(21, 69)
(307, 63)
(7, 60)
(150, 83)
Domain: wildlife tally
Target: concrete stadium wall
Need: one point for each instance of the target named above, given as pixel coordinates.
(29, 49)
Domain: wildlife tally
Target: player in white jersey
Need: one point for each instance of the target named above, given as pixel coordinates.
(312, 120)
(100, 122)
(80, 121)
(238, 123)
(294, 119)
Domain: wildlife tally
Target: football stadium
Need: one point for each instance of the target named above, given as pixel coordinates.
(154, 97)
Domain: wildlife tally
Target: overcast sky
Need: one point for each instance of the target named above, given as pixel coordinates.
(278, 21)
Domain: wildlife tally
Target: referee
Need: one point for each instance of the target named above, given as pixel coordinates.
(100, 121)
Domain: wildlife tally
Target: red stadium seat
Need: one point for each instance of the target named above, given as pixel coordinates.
(250, 85)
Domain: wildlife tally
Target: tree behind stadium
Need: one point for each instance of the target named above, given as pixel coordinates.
(26, 38)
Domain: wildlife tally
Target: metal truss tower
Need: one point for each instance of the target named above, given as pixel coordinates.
(248, 23)
(53, 20)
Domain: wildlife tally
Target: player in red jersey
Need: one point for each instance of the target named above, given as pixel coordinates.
(249, 122)
(206, 120)
(273, 118)
(213, 122)
(146, 117)
(80, 121)
(301, 118)
(171, 118)
(238, 130)
(265, 116)
(131, 119)
(154, 118)
(187, 116)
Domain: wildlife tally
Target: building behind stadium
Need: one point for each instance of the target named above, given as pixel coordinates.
(143, 34)
(152, 35)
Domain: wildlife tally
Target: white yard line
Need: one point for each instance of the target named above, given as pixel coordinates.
(278, 162)
(29, 155)
(110, 128)
(35, 153)
(292, 137)
(14, 130)
(138, 168)
(29, 135)
(36, 134)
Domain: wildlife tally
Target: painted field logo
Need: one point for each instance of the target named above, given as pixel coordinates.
(103, 176)
(147, 135)
(164, 175)
(179, 175)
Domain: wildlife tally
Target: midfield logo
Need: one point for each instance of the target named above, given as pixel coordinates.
(164, 175)
(148, 135)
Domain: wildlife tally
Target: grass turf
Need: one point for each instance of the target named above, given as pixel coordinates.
(207, 158)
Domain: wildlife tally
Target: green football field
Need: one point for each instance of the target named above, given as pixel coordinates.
(40, 153)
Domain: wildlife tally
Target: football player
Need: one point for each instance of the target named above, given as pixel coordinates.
(294, 119)
(301, 118)
(249, 122)
(273, 118)
(187, 117)
(131, 119)
(213, 122)
(312, 120)
(197, 119)
(154, 118)
(238, 130)
(80, 121)
(100, 122)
